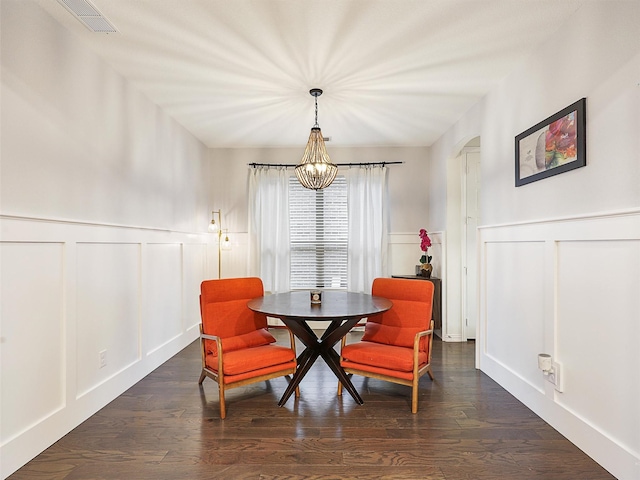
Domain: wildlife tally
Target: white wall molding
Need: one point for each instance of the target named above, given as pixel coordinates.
(84, 223)
(99, 287)
(67, 221)
(568, 287)
(630, 214)
(452, 337)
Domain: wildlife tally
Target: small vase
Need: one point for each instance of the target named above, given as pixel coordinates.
(425, 270)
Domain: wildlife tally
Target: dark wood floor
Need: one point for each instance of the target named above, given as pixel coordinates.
(166, 427)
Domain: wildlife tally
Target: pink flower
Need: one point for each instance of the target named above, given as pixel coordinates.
(425, 241)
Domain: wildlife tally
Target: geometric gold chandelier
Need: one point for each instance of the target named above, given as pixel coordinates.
(315, 171)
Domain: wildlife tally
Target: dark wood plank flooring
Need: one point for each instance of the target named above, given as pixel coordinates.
(167, 427)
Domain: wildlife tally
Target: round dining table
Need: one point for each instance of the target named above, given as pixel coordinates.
(341, 310)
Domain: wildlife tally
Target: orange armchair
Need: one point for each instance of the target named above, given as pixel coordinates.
(236, 347)
(396, 345)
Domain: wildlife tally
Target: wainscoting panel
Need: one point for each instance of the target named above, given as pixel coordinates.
(405, 253)
(516, 314)
(571, 288)
(598, 298)
(108, 300)
(33, 335)
(163, 294)
(234, 262)
(71, 290)
(195, 267)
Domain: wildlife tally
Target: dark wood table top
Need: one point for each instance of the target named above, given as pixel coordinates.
(335, 305)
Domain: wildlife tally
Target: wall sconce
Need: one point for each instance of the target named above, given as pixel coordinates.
(550, 370)
(222, 244)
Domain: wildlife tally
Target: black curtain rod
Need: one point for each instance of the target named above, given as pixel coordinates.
(292, 165)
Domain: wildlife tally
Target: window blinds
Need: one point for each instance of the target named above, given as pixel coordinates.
(318, 235)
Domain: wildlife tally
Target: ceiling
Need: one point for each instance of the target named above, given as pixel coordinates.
(237, 73)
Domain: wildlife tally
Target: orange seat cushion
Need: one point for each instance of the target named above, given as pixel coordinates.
(388, 357)
(239, 342)
(248, 361)
(361, 368)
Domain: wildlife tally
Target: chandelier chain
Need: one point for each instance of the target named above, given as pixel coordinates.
(316, 124)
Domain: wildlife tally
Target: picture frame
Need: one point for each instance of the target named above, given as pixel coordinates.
(555, 145)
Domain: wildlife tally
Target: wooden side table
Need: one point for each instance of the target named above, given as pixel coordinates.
(437, 297)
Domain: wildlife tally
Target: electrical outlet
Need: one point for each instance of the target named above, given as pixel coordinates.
(103, 358)
(555, 376)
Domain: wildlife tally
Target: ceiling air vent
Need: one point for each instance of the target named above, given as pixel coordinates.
(89, 16)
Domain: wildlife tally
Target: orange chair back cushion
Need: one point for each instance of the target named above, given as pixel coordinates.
(411, 312)
(223, 305)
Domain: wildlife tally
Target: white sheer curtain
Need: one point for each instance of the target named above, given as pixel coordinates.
(269, 254)
(368, 226)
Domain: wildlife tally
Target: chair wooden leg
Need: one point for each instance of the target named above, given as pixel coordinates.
(297, 391)
(223, 407)
(430, 373)
(202, 377)
(343, 342)
(414, 396)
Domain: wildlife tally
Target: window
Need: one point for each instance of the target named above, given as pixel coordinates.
(318, 235)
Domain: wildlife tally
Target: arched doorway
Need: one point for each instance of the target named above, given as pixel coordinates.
(463, 199)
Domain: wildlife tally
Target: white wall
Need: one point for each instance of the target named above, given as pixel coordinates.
(80, 142)
(407, 188)
(103, 203)
(559, 258)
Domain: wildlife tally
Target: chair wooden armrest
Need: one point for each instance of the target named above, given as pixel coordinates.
(418, 372)
(422, 334)
(210, 337)
(218, 340)
(416, 350)
(419, 335)
(343, 342)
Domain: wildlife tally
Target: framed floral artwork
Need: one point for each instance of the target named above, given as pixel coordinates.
(555, 145)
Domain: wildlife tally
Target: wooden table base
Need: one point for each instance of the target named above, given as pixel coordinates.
(341, 310)
(320, 347)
